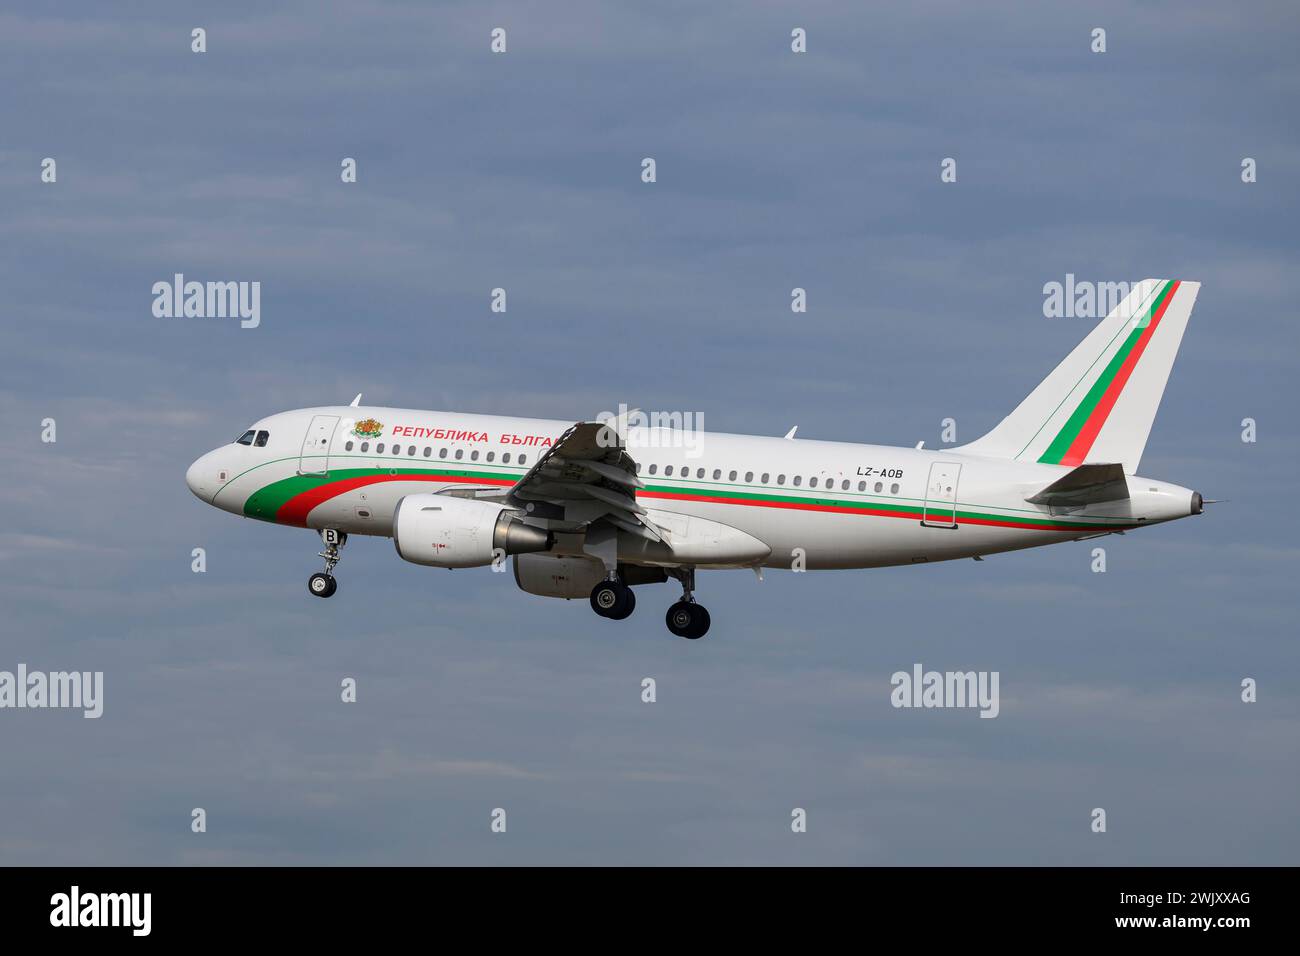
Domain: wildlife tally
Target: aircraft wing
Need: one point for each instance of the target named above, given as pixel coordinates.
(1084, 485)
(589, 474)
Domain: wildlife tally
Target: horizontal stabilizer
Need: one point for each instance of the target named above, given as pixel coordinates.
(1086, 484)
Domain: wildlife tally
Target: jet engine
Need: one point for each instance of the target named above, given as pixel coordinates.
(441, 531)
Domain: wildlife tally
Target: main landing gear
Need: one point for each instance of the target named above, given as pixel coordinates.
(613, 599)
(322, 583)
(686, 618)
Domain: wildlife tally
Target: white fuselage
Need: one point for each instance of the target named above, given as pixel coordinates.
(814, 504)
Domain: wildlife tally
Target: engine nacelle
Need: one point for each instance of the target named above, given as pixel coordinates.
(441, 531)
(566, 576)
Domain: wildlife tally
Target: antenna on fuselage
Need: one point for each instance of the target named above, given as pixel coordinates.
(790, 433)
(356, 401)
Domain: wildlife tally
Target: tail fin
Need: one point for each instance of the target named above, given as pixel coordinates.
(1098, 405)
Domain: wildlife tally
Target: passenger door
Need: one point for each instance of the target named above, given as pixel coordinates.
(941, 496)
(314, 457)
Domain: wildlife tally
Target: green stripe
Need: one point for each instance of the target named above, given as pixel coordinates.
(1074, 424)
(267, 501)
(902, 510)
(1086, 372)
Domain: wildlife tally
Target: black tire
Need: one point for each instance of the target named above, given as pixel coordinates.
(321, 584)
(702, 622)
(680, 617)
(612, 599)
(687, 619)
(629, 605)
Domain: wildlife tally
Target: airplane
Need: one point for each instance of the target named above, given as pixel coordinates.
(593, 509)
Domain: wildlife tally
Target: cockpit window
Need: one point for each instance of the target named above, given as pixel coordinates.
(246, 438)
(260, 441)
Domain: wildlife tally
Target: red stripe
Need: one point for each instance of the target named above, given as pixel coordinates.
(839, 509)
(295, 510)
(1082, 444)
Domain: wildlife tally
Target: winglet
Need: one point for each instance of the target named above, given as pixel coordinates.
(619, 423)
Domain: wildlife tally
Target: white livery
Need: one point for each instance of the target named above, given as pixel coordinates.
(594, 508)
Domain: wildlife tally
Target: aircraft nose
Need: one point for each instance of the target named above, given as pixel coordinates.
(200, 480)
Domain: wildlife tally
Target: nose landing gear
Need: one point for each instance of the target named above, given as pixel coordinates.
(322, 583)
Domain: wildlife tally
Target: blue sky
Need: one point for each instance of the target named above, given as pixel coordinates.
(775, 170)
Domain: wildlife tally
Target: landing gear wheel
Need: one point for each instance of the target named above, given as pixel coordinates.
(701, 624)
(612, 599)
(688, 619)
(630, 605)
(322, 584)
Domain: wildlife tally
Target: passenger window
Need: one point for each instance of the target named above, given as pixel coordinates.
(668, 470)
(397, 449)
(780, 479)
(427, 451)
(844, 485)
(442, 453)
(460, 453)
(410, 451)
(812, 482)
(749, 476)
(505, 459)
(765, 477)
(365, 446)
(893, 489)
(246, 438)
(492, 456)
(473, 456)
(717, 473)
(379, 449)
(260, 441)
(879, 487)
(348, 446)
(654, 469)
(862, 486)
(523, 459)
(732, 476)
(798, 480)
